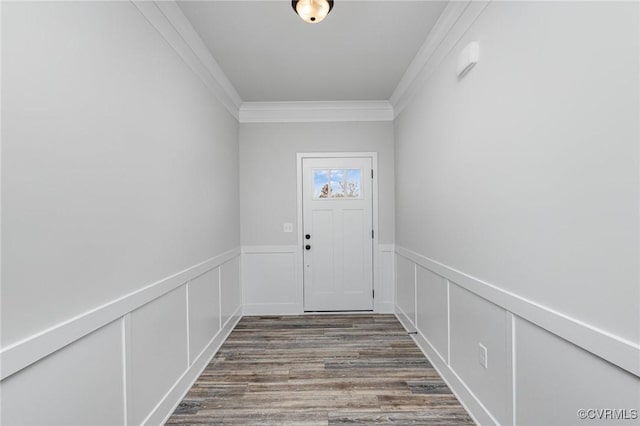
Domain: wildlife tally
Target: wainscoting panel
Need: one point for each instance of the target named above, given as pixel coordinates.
(475, 322)
(130, 361)
(269, 282)
(529, 368)
(230, 290)
(406, 288)
(384, 281)
(168, 404)
(550, 369)
(158, 351)
(273, 283)
(432, 310)
(80, 384)
(204, 311)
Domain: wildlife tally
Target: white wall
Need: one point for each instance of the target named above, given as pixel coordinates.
(268, 199)
(119, 191)
(268, 172)
(517, 185)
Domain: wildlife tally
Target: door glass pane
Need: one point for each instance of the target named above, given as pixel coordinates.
(320, 183)
(336, 183)
(352, 185)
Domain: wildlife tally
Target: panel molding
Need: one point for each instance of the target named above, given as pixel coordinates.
(404, 319)
(25, 352)
(167, 405)
(474, 407)
(315, 112)
(387, 248)
(167, 18)
(250, 309)
(382, 287)
(608, 346)
(383, 301)
(259, 263)
(456, 19)
(269, 249)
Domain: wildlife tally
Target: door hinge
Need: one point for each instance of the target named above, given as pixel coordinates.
(371, 173)
(373, 294)
(372, 237)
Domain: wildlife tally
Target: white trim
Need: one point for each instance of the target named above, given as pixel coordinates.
(314, 112)
(448, 323)
(615, 349)
(384, 307)
(241, 274)
(188, 325)
(415, 296)
(21, 354)
(387, 248)
(509, 364)
(126, 321)
(167, 18)
(167, 405)
(474, 407)
(269, 249)
(513, 366)
(124, 328)
(443, 25)
(374, 201)
(380, 305)
(338, 313)
(405, 320)
(272, 309)
(455, 20)
(220, 297)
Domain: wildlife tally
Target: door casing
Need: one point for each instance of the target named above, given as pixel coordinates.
(299, 227)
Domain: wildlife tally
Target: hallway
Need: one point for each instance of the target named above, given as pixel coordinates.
(184, 182)
(320, 370)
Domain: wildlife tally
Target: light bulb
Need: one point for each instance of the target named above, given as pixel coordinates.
(312, 11)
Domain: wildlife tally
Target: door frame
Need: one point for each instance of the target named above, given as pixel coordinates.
(374, 208)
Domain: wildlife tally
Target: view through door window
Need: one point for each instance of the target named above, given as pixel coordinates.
(336, 183)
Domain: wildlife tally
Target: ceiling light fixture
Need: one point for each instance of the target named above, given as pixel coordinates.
(312, 11)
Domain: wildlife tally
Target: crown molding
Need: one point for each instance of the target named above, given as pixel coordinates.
(167, 18)
(315, 112)
(455, 20)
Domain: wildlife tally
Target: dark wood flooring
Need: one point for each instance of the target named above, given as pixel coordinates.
(320, 370)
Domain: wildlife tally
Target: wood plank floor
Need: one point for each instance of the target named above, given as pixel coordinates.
(320, 370)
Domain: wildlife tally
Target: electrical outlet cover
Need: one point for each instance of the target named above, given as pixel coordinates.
(482, 355)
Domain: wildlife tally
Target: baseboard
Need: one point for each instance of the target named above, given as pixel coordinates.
(176, 394)
(271, 309)
(404, 320)
(383, 308)
(471, 404)
(286, 282)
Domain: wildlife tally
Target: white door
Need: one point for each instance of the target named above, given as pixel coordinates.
(337, 234)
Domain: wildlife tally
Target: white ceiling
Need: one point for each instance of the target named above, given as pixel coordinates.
(359, 52)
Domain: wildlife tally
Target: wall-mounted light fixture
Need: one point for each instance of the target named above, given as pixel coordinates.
(312, 11)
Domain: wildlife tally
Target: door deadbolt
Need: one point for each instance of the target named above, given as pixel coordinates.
(308, 247)
(307, 236)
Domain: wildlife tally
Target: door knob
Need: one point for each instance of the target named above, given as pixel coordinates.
(307, 236)
(308, 247)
